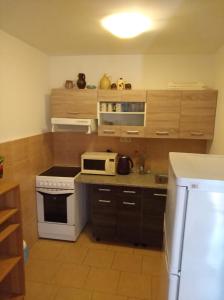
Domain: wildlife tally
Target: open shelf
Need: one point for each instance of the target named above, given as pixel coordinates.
(5, 214)
(6, 265)
(7, 296)
(7, 231)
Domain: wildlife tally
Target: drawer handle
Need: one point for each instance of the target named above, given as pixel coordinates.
(129, 192)
(197, 133)
(104, 190)
(104, 201)
(162, 132)
(132, 132)
(160, 195)
(72, 113)
(129, 203)
(109, 131)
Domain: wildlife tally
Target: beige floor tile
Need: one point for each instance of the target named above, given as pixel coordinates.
(41, 270)
(135, 285)
(99, 258)
(159, 287)
(102, 280)
(103, 296)
(148, 252)
(40, 291)
(121, 248)
(127, 262)
(72, 294)
(86, 240)
(71, 275)
(153, 265)
(72, 253)
(46, 249)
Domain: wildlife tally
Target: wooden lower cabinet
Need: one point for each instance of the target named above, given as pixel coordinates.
(128, 214)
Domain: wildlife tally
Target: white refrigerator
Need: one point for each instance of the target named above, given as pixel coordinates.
(194, 227)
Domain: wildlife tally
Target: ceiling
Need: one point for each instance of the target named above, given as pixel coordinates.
(71, 27)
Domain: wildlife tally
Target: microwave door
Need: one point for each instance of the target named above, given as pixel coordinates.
(94, 164)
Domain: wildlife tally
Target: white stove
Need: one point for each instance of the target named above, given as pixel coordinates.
(61, 203)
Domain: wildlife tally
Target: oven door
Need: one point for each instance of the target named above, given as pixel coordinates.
(56, 206)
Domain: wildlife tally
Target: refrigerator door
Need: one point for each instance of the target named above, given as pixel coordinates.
(202, 267)
(174, 223)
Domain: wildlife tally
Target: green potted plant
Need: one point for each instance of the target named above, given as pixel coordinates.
(1, 166)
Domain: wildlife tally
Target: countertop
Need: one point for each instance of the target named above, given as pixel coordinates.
(132, 179)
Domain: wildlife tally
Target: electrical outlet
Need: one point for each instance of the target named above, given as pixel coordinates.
(125, 140)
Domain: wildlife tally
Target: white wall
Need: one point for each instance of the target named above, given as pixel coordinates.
(143, 71)
(24, 84)
(217, 145)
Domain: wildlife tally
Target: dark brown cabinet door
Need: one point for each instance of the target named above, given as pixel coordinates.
(103, 211)
(153, 207)
(129, 215)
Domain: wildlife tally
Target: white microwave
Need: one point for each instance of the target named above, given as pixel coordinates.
(103, 163)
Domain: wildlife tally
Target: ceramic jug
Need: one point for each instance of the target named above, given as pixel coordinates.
(105, 82)
(81, 82)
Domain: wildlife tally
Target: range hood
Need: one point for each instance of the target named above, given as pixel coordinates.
(77, 125)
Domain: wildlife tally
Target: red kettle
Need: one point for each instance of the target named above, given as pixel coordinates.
(124, 165)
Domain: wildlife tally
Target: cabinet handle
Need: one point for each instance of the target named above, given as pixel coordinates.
(129, 203)
(109, 131)
(104, 190)
(132, 132)
(197, 133)
(162, 132)
(160, 195)
(129, 192)
(104, 201)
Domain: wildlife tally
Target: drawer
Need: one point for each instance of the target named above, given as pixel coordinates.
(154, 201)
(109, 130)
(129, 204)
(136, 131)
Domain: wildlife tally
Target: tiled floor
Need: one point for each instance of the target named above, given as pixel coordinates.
(87, 270)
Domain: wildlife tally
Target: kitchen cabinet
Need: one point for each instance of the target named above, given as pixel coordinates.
(72, 103)
(12, 283)
(197, 114)
(121, 113)
(130, 214)
(163, 114)
(180, 114)
(153, 207)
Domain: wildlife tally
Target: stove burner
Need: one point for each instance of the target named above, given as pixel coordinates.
(58, 171)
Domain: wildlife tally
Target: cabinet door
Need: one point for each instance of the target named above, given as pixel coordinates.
(103, 211)
(129, 214)
(66, 103)
(109, 130)
(197, 117)
(163, 113)
(153, 207)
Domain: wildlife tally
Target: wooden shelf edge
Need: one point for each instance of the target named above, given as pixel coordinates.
(7, 296)
(5, 214)
(7, 186)
(7, 231)
(7, 264)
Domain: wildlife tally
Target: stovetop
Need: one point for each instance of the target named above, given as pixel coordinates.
(57, 177)
(58, 171)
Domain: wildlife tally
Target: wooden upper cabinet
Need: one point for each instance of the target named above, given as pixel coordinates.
(71, 103)
(197, 115)
(121, 95)
(163, 114)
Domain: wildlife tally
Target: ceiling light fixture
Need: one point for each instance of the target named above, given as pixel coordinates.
(127, 25)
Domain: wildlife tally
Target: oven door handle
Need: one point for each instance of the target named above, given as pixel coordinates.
(55, 192)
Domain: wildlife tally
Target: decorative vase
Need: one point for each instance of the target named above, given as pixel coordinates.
(81, 82)
(120, 84)
(105, 82)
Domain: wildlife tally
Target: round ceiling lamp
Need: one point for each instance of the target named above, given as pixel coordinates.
(127, 25)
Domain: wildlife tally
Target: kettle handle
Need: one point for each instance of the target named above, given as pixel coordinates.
(131, 161)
